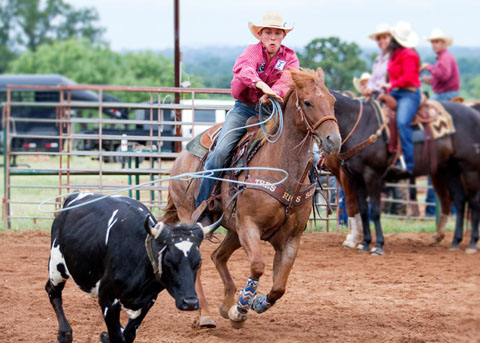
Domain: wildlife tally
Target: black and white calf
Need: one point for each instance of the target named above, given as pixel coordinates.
(115, 249)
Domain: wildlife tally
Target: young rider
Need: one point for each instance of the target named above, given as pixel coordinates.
(258, 75)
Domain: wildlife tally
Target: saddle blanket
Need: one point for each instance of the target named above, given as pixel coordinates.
(436, 117)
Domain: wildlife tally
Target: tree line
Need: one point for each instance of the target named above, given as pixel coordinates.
(52, 36)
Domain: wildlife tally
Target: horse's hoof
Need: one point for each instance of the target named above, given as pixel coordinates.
(348, 244)
(237, 319)
(377, 251)
(362, 247)
(471, 251)
(65, 337)
(104, 337)
(454, 248)
(207, 322)
(223, 309)
(437, 238)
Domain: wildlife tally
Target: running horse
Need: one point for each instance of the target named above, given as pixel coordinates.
(365, 160)
(308, 115)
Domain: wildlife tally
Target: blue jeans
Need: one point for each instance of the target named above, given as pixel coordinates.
(408, 103)
(237, 117)
(445, 96)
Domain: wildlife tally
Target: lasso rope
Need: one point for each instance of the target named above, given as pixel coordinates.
(271, 136)
(183, 177)
(274, 134)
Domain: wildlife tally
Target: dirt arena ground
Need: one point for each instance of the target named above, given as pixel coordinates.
(416, 293)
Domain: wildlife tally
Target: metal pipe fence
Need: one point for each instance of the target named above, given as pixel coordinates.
(73, 164)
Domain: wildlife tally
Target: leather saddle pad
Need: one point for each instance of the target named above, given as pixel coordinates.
(201, 144)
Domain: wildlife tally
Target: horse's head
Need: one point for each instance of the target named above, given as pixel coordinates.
(315, 105)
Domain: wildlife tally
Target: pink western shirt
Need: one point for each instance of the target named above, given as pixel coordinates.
(445, 74)
(253, 66)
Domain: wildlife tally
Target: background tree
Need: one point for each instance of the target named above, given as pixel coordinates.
(27, 24)
(88, 63)
(339, 60)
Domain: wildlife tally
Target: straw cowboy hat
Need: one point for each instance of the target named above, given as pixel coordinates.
(358, 82)
(438, 34)
(270, 19)
(381, 30)
(404, 35)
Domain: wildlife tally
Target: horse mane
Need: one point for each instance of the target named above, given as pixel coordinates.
(302, 77)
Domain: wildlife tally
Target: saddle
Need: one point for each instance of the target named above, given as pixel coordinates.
(246, 148)
(430, 123)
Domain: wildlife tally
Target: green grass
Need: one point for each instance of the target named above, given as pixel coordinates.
(31, 194)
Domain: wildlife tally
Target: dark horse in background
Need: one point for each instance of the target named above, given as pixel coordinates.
(457, 177)
(258, 215)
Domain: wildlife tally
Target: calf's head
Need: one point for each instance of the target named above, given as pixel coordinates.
(175, 256)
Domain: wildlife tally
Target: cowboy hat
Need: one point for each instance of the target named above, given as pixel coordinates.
(438, 34)
(270, 19)
(358, 82)
(381, 30)
(404, 35)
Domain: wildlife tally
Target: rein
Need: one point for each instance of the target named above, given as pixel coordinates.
(360, 112)
(310, 128)
(362, 145)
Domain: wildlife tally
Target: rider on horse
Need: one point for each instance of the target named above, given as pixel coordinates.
(257, 76)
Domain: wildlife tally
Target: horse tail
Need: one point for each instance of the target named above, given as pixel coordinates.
(170, 216)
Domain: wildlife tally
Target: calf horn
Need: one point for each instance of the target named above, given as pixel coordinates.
(153, 231)
(212, 227)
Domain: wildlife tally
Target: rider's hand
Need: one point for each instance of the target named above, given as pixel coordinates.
(427, 80)
(267, 93)
(424, 66)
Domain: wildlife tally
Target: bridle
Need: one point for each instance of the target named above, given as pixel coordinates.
(310, 127)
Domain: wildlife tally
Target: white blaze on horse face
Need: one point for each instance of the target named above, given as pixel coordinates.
(111, 222)
(56, 259)
(184, 246)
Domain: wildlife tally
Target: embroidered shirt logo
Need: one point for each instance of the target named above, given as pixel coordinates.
(261, 69)
(280, 65)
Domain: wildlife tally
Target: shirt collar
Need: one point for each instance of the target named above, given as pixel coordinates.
(280, 52)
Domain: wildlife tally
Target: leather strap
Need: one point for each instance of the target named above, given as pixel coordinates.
(280, 192)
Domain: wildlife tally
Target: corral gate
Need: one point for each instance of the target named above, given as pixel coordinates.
(71, 167)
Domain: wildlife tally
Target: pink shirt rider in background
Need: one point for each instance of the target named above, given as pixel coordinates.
(445, 77)
(257, 76)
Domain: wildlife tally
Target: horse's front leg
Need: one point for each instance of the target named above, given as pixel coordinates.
(282, 265)
(205, 319)
(363, 208)
(249, 238)
(220, 258)
(375, 189)
(354, 221)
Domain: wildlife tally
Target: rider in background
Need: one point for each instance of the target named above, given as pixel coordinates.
(361, 83)
(445, 76)
(257, 76)
(403, 85)
(379, 67)
(445, 81)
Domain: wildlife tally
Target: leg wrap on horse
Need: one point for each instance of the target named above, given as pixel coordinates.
(247, 295)
(261, 304)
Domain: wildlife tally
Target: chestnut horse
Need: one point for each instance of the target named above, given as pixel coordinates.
(456, 178)
(258, 215)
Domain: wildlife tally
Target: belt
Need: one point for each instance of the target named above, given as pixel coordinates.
(410, 89)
